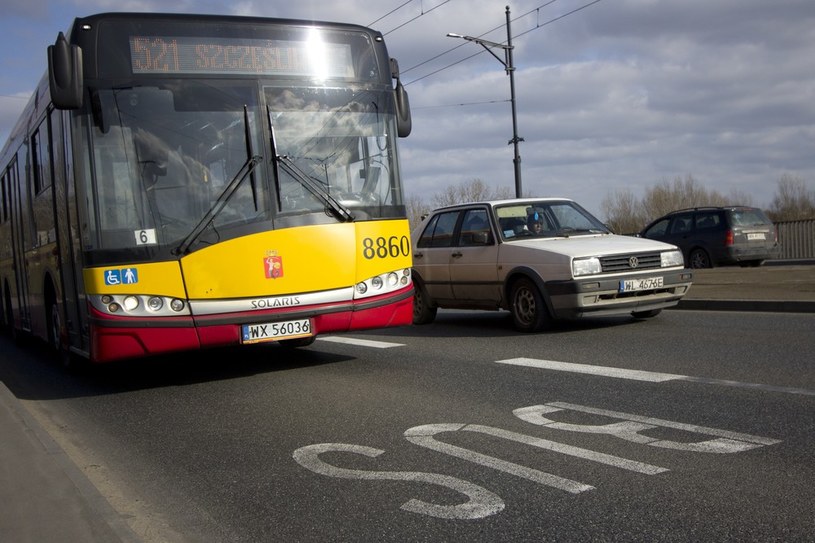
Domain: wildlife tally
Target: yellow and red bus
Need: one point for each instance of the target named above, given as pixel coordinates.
(178, 182)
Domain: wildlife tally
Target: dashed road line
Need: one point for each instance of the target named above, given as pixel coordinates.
(360, 342)
(649, 376)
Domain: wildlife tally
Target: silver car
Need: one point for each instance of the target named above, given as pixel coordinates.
(541, 259)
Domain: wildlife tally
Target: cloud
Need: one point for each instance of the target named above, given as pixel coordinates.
(620, 95)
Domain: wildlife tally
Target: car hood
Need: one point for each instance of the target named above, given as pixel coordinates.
(591, 245)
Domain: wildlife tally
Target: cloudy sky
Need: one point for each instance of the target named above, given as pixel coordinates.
(611, 94)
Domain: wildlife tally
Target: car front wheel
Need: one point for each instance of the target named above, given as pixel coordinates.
(529, 313)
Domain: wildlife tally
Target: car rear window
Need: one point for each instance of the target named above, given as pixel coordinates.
(748, 217)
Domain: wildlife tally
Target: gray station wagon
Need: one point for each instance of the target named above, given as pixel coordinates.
(541, 259)
(718, 236)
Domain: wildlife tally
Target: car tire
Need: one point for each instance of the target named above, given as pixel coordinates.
(423, 310)
(528, 308)
(699, 259)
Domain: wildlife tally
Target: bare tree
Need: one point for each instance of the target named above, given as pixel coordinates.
(416, 208)
(792, 200)
(472, 191)
(624, 213)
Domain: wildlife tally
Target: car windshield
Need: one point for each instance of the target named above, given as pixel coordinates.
(545, 218)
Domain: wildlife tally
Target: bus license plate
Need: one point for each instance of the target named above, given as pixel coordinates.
(643, 283)
(274, 331)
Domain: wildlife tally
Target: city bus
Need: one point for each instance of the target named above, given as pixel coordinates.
(180, 182)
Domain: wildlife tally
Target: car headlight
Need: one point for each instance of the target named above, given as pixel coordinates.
(586, 266)
(672, 258)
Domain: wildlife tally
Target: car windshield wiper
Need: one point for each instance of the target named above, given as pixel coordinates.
(341, 212)
(248, 167)
(566, 231)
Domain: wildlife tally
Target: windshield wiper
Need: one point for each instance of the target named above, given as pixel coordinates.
(252, 160)
(247, 168)
(341, 212)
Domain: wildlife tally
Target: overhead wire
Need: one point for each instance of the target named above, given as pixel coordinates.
(537, 26)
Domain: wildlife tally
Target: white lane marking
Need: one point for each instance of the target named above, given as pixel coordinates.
(641, 375)
(725, 442)
(360, 342)
(603, 371)
(481, 503)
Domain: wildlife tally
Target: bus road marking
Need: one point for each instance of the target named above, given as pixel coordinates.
(724, 442)
(360, 342)
(480, 501)
(642, 375)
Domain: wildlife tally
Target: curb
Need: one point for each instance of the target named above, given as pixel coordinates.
(771, 306)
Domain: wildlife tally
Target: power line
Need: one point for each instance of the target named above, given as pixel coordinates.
(462, 104)
(463, 44)
(413, 19)
(394, 10)
(539, 25)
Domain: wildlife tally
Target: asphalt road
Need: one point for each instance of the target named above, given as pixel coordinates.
(690, 426)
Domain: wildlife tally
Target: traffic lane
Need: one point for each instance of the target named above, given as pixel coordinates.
(199, 441)
(769, 348)
(713, 495)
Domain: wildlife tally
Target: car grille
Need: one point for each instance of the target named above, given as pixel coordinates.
(631, 262)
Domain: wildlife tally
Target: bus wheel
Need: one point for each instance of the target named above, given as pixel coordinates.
(54, 326)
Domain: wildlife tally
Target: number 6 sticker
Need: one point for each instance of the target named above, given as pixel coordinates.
(146, 237)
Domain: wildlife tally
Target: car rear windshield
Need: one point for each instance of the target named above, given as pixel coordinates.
(748, 217)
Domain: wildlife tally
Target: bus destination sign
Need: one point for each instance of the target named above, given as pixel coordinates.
(201, 55)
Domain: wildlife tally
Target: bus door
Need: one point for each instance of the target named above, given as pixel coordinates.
(65, 219)
(19, 227)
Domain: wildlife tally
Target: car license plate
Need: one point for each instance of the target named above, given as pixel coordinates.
(642, 283)
(756, 235)
(274, 331)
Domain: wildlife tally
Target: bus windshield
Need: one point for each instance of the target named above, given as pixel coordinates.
(163, 154)
(340, 138)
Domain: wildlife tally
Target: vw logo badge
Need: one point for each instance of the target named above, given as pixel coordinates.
(633, 262)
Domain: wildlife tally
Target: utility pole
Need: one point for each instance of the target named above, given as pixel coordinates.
(509, 67)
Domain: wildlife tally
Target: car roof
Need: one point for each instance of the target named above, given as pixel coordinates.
(708, 208)
(508, 201)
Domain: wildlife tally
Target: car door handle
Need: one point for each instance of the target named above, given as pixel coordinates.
(457, 254)
(418, 255)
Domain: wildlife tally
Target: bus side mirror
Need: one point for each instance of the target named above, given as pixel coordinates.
(404, 124)
(65, 74)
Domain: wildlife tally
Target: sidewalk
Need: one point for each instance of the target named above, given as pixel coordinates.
(46, 498)
(776, 287)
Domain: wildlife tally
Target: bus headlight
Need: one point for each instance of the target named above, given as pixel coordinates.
(139, 305)
(382, 284)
